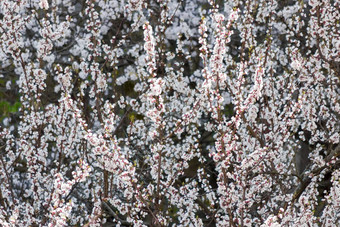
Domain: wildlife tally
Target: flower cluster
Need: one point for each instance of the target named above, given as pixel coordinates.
(169, 113)
(149, 47)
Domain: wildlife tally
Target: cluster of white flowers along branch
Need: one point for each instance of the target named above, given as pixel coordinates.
(170, 113)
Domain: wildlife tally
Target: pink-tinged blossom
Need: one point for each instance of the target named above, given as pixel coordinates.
(271, 222)
(297, 65)
(257, 89)
(149, 47)
(44, 4)
(64, 78)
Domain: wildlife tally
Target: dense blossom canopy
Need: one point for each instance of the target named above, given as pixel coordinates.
(169, 112)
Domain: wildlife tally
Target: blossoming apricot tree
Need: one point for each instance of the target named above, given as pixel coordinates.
(162, 112)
